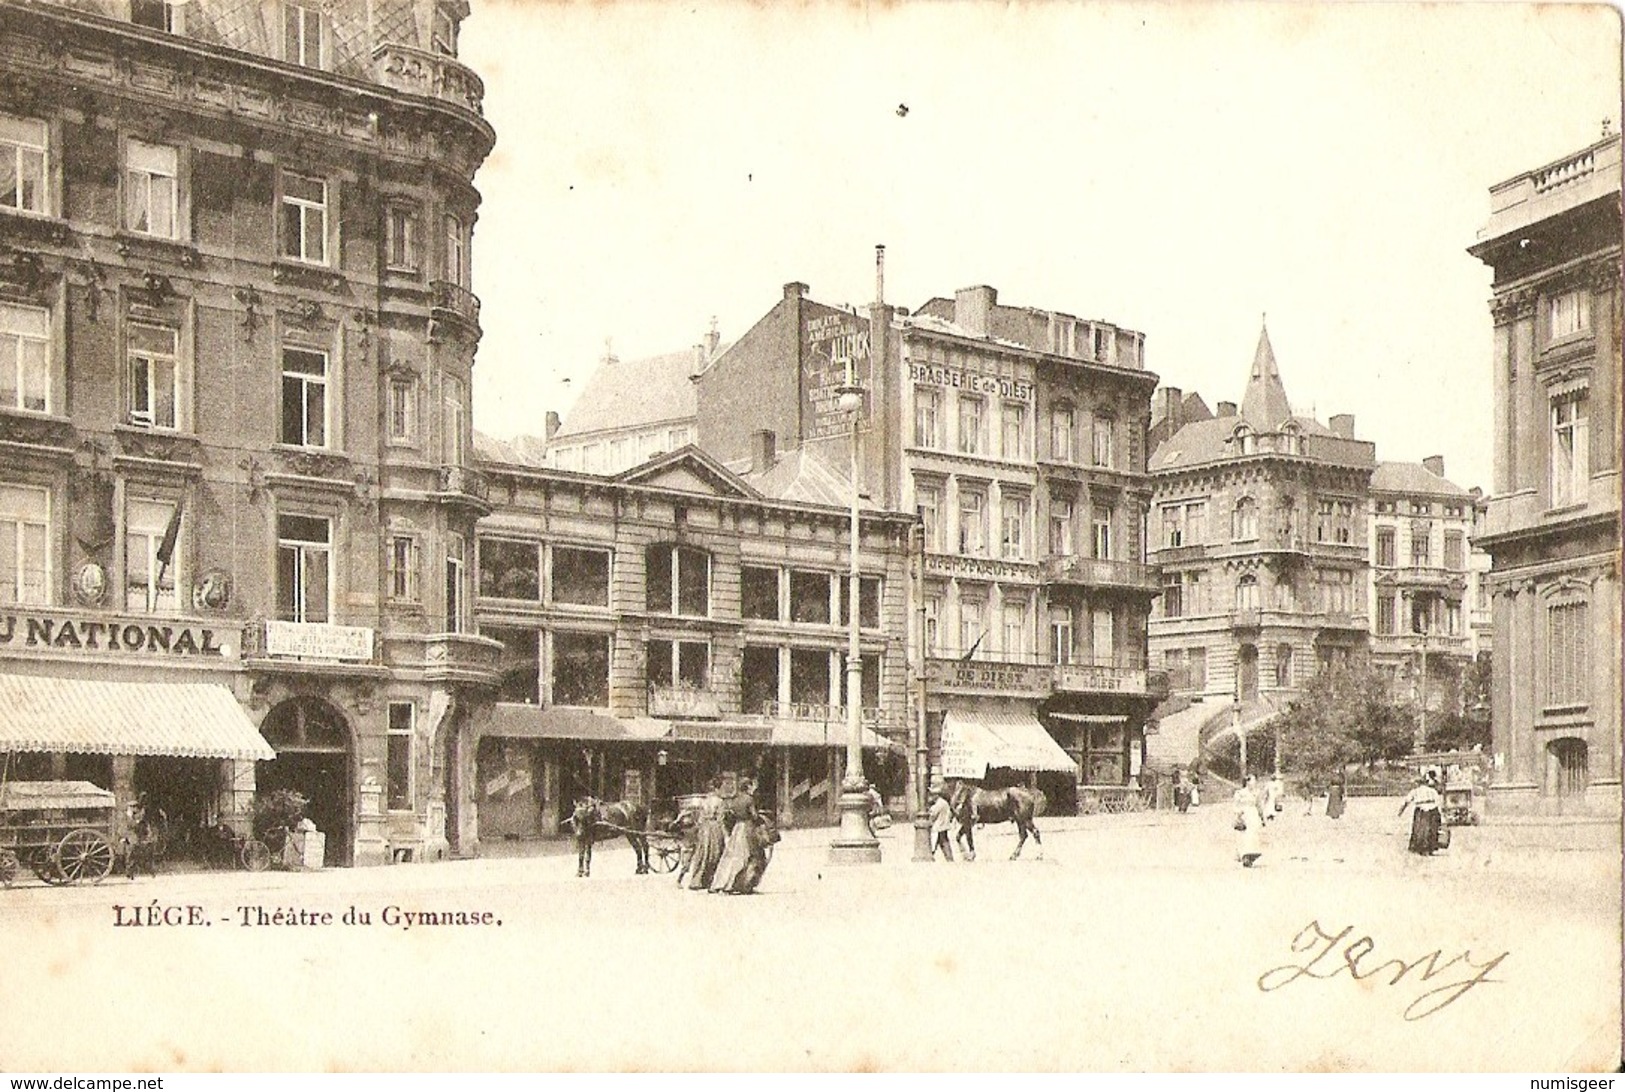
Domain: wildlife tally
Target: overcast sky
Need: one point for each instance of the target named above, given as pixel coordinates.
(1179, 169)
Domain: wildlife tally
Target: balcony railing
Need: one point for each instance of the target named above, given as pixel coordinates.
(464, 657)
(419, 72)
(1428, 575)
(463, 482)
(1179, 555)
(1245, 618)
(1101, 572)
(462, 303)
(1338, 619)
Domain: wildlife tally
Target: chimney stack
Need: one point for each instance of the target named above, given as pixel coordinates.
(1170, 401)
(712, 340)
(1342, 425)
(552, 424)
(1226, 409)
(880, 273)
(973, 309)
(763, 450)
(794, 290)
(1434, 464)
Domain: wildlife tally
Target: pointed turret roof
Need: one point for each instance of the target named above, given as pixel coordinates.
(1264, 405)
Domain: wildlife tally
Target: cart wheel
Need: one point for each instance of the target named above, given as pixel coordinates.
(8, 866)
(256, 855)
(667, 858)
(83, 855)
(43, 863)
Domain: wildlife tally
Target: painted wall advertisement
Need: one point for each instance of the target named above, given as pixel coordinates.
(835, 351)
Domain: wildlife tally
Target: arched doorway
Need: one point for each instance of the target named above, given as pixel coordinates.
(312, 743)
(1567, 770)
(1247, 669)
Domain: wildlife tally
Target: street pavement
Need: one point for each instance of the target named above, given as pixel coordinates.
(1136, 943)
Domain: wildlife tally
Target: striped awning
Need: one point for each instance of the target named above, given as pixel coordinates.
(998, 737)
(103, 717)
(514, 720)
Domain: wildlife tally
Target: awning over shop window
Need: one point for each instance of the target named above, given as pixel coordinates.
(98, 716)
(534, 722)
(976, 740)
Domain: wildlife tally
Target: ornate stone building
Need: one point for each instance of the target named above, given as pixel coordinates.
(236, 335)
(1553, 523)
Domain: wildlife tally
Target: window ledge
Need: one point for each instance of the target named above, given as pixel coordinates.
(158, 248)
(40, 226)
(292, 271)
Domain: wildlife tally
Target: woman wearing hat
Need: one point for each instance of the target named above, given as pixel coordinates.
(1425, 819)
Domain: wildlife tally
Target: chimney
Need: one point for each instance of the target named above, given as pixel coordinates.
(1342, 425)
(794, 290)
(712, 340)
(1226, 409)
(880, 273)
(763, 453)
(1170, 401)
(1434, 464)
(552, 425)
(973, 309)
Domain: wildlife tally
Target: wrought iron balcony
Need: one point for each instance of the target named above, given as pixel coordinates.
(456, 301)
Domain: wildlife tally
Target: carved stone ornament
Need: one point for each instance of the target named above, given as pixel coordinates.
(160, 446)
(1605, 275)
(90, 584)
(1513, 306)
(316, 464)
(212, 591)
(307, 311)
(42, 432)
(249, 297)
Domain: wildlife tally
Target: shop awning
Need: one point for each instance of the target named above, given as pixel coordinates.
(818, 733)
(98, 716)
(976, 740)
(514, 720)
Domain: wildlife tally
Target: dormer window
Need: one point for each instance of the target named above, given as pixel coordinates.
(302, 36)
(157, 14)
(1245, 440)
(443, 35)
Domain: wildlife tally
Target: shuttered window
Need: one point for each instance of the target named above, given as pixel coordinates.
(1566, 682)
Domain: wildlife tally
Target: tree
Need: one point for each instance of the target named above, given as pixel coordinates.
(1345, 715)
(1465, 723)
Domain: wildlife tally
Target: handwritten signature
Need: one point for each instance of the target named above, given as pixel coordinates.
(1326, 955)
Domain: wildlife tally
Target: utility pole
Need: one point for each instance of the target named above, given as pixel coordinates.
(921, 771)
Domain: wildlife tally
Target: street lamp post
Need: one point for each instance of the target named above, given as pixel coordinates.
(855, 842)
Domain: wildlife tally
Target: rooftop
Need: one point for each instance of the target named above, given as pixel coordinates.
(1563, 184)
(1413, 478)
(631, 394)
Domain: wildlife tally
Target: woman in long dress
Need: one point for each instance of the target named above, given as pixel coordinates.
(740, 820)
(1249, 824)
(1334, 797)
(708, 840)
(1425, 819)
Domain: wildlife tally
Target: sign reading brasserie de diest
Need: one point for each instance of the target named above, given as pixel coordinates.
(975, 382)
(110, 635)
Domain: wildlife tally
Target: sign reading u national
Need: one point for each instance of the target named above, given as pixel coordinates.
(109, 635)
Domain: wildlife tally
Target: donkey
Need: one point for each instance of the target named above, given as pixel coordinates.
(593, 819)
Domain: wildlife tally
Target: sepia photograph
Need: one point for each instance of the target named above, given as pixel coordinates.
(1061, 536)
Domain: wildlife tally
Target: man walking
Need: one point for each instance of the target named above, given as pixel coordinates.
(941, 822)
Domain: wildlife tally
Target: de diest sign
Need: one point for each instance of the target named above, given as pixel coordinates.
(978, 677)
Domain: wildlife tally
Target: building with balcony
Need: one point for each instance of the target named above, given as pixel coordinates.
(1425, 580)
(1259, 533)
(1552, 527)
(235, 348)
(667, 625)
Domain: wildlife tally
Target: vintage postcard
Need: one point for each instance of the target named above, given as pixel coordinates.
(809, 537)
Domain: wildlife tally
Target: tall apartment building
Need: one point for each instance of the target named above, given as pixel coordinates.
(1553, 522)
(1259, 530)
(236, 334)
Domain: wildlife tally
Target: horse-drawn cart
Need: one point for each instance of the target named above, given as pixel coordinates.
(62, 830)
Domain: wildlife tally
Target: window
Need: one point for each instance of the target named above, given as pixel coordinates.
(1571, 456)
(1337, 591)
(685, 664)
(1283, 666)
(970, 425)
(1101, 342)
(1343, 523)
(151, 190)
(868, 601)
(1015, 630)
(1195, 599)
(1566, 638)
(1385, 615)
(1173, 601)
(809, 676)
(456, 252)
(580, 577)
(1101, 532)
(25, 377)
(972, 626)
(810, 597)
(933, 623)
(401, 238)
(1244, 520)
(678, 580)
(510, 570)
(1569, 314)
(304, 218)
(1060, 635)
(1062, 428)
(1452, 618)
(1387, 552)
(403, 410)
(455, 584)
(1198, 666)
(1247, 593)
(1173, 525)
(928, 501)
(151, 529)
(302, 35)
(1453, 550)
(520, 664)
(25, 557)
(581, 669)
(1013, 431)
(403, 568)
(443, 33)
(402, 715)
(1421, 545)
(304, 397)
(869, 692)
(759, 680)
(304, 557)
(451, 423)
(153, 375)
(1103, 440)
(1324, 524)
(676, 438)
(1015, 526)
(1196, 523)
(927, 417)
(972, 521)
(1103, 647)
(23, 161)
(759, 593)
(1060, 527)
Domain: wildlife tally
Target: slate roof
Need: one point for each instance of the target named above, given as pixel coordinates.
(626, 394)
(801, 475)
(1264, 405)
(1397, 477)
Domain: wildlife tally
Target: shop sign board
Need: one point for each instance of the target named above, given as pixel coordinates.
(987, 677)
(106, 636)
(318, 641)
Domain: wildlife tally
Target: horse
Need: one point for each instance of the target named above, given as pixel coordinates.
(971, 805)
(625, 817)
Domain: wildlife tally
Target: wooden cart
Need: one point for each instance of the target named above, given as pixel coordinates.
(62, 830)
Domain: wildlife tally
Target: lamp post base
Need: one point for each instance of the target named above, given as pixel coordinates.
(922, 840)
(854, 843)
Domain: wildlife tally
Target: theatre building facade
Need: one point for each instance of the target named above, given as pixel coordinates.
(666, 626)
(236, 512)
